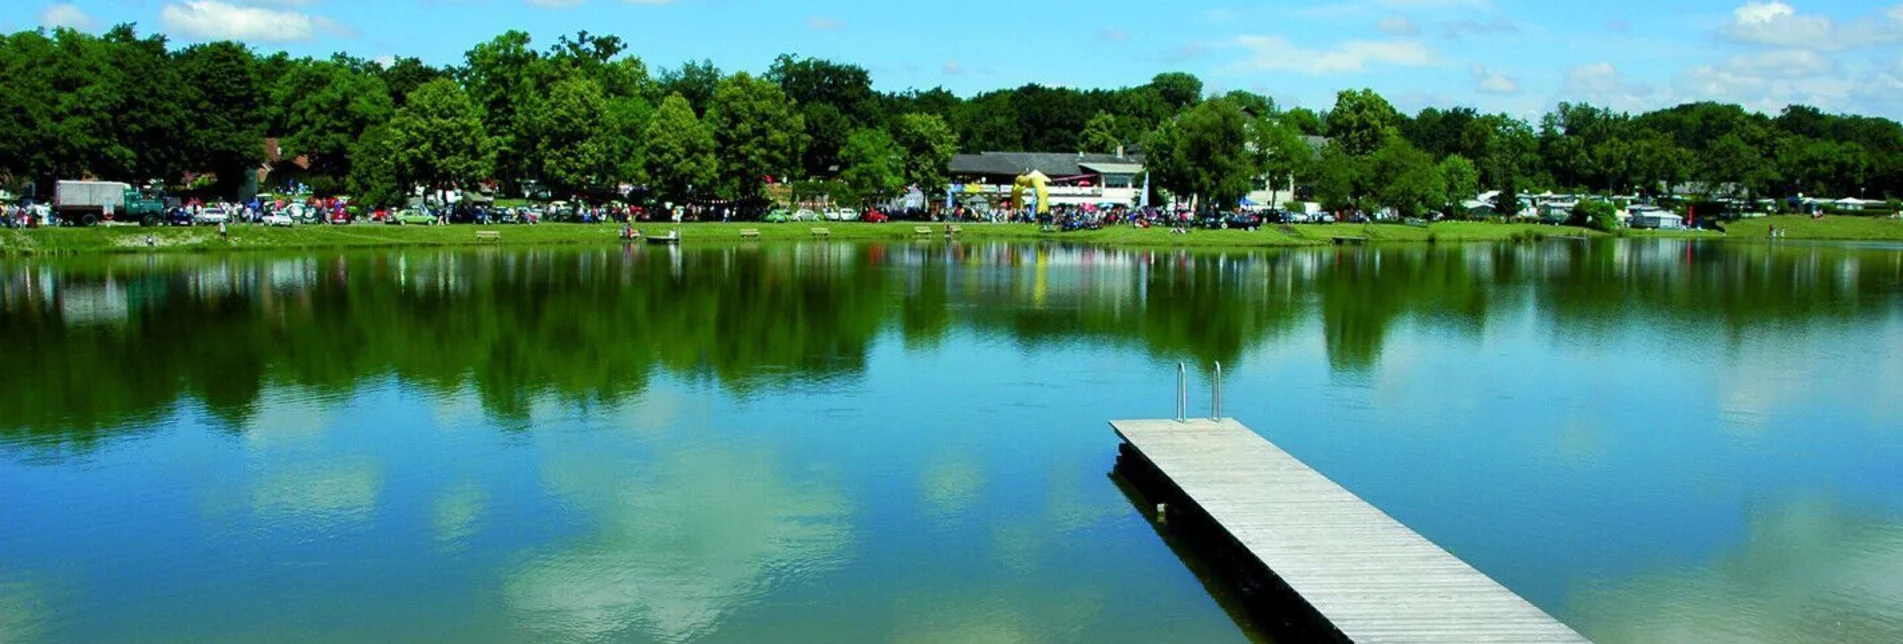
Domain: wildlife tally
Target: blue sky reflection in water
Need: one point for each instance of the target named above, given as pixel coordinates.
(1654, 440)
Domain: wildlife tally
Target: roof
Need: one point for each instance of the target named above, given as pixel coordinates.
(1113, 168)
(1055, 164)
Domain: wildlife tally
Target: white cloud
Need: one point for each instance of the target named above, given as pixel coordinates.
(1113, 35)
(952, 68)
(1275, 53)
(1398, 26)
(1493, 82)
(61, 14)
(1603, 84)
(1497, 25)
(825, 24)
(214, 20)
(1782, 63)
(1777, 24)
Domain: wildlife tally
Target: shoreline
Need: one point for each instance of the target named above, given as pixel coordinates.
(246, 238)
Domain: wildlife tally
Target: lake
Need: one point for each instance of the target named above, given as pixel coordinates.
(1653, 440)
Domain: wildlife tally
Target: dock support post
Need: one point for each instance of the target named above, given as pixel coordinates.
(1215, 403)
(1182, 392)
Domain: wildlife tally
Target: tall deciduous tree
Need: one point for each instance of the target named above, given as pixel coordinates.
(1462, 180)
(1179, 89)
(1204, 155)
(373, 177)
(1362, 121)
(929, 145)
(1285, 155)
(1338, 178)
(679, 162)
(1100, 134)
(327, 108)
(438, 139)
(760, 133)
(874, 164)
(1409, 183)
(225, 99)
(573, 144)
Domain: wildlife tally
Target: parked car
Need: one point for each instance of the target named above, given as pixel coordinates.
(805, 215)
(841, 214)
(338, 217)
(1324, 218)
(412, 216)
(777, 216)
(278, 219)
(874, 216)
(178, 217)
(211, 217)
(1243, 221)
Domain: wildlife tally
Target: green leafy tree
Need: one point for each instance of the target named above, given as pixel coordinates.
(225, 98)
(574, 147)
(1284, 155)
(1362, 121)
(1179, 89)
(1204, 155)
(1306, 121)
(680, 151)
(1339, 177)
(404, 74)
(373, 176)
(1462, 180)
(874, 164)
(438, 139)
(696, 81)
(760, 133)
(505, 77)
(1410, 182)
(625, 120)
(327, 108)
(1594, 214)
(1100, 134)
(929, 145)
(1507, 202)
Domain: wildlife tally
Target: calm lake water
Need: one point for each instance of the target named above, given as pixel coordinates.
(1653, 440)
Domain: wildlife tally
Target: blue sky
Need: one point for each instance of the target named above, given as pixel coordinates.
(1516, 57)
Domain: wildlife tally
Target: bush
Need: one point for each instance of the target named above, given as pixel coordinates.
(1597, 215)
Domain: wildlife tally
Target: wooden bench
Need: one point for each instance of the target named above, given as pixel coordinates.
(953, 230)
(489, 235)
(1046, 228)
(749, 233)
(921, 230)
(1346, 241)
(822, 232)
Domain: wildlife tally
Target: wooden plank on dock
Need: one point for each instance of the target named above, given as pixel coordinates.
(1371, 577)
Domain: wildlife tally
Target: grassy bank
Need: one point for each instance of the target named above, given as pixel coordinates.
(65, 241)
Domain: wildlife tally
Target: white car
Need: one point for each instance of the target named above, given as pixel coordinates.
(211, 216)
(278, 219)
(842, 214)
(805, 215)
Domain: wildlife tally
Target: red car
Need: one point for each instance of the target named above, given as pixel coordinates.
(874, 216)
(339, 217)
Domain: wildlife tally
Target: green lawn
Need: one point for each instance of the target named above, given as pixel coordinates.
(132, 239)
(1830, 227)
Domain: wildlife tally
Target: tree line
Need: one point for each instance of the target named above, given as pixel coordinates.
(584, 114)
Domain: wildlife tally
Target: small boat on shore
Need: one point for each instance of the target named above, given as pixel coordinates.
(671, 238)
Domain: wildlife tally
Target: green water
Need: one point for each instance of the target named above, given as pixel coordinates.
(1652, 440)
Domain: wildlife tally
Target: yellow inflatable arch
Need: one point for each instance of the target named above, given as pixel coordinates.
(1036, 181)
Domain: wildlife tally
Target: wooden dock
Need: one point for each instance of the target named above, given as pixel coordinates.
(1368, 576)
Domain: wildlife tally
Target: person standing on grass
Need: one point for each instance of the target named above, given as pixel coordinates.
(223, 233)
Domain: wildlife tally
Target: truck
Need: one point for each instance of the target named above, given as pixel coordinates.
(84, 203)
